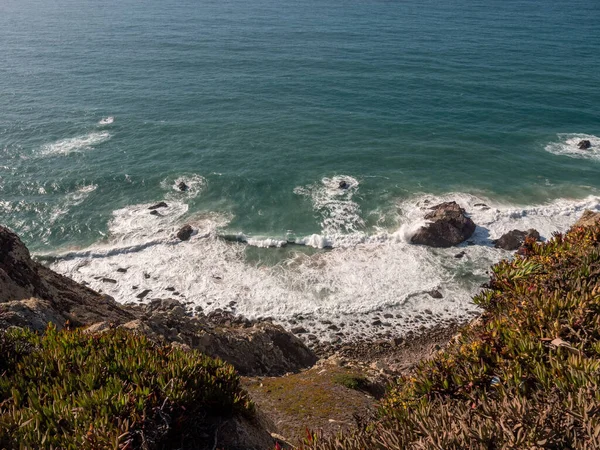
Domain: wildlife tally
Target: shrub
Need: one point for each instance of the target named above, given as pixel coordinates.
(526, 374)
(70, 390)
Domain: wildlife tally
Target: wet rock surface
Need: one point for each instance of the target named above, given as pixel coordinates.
(515, 238)
(185, 232)
(448, 226)
(584, 144)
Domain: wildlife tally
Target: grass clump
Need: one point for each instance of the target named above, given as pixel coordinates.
(351, 381)
(71, 390)
(526, 375)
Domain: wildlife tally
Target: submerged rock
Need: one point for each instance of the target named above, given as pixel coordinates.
(449, 226)
(584, 144)
(515, 238)
(182, 186)
(158, 205)
(343, 184)
(185, 232)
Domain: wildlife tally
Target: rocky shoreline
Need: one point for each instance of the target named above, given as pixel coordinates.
(269, 356)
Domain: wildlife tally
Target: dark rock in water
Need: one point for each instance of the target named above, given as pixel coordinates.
(343, 185)
(170, 289)
(155, 213)
(158, 205)
(182, 186)
(376, 323)
(515, 238)
(388, 316)
(299, 330)
(435, 294)
(146, 275)
(185, 232)
(122, 270)
(584, 144)
(449, 226)
(482, 206)
(109, 280)
(142, 294)
(460, 255)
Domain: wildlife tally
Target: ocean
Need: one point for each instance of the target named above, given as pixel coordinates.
(262, 108)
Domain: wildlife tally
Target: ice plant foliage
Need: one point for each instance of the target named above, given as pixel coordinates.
(70, 390)
(525, 375)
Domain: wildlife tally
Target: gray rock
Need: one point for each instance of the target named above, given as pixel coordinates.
(185, 232)
(448, 226)
(515, 238)
(435, 294)
(142, 294)
(584, 144)
(299, 330)
(158, 205)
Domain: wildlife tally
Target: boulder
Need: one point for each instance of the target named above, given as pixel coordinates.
(448, 226)
(588, 218)
(515, 238)
(185, 232)
(584, 144)
(435, 294)
(343, 184)
(182, 186)
(158, 205)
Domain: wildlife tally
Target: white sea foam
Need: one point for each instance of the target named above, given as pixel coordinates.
(567, 145)
(332, 198)
(265, 242)
(76, 144)
(382, 276)
(106, 121)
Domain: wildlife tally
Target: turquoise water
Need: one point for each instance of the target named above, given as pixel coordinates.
(259, 98)
(263, 107)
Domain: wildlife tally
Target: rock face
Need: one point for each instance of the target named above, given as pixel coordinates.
(515, 238)
(32, 296)
(185, 232)
(449, 226)
(588, 218)
(584, 144)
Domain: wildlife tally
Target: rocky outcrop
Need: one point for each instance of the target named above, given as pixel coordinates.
(185, 232)
(584, 144)
(448, 226)
(515, 238)
(588, 218)
(33, 296)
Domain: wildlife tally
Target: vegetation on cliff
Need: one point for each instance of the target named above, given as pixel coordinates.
(524, 375)
(71, 390)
